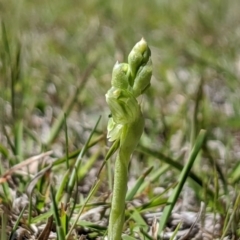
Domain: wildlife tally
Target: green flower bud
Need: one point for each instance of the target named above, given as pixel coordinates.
(114, 130)
(123, 105)
(120, 76)
(146, 55)
(142, 80)
(139, 56)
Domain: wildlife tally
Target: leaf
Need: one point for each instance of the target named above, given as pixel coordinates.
(182, 179)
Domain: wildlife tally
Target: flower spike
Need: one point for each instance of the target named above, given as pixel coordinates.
(129, 80)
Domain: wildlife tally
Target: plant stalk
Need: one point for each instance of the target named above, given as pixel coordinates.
(116, 221)
(133, 133)
(126, 124)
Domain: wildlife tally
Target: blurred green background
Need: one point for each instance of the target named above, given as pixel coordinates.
(46, 47)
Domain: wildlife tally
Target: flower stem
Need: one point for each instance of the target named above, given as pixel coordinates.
(131, 134)
(118, 201)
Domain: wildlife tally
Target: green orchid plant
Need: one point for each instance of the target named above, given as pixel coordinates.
(126, 123)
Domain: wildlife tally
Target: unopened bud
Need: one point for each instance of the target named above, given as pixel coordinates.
(123, 105)
(138, 56)
(119, 76)
(142, 80)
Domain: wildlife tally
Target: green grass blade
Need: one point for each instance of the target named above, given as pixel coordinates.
(91, 225)
(7, 135)
(126, 237)
(174, 164)
(195, 127)
(4, 220)
(18, 139)
(231, 217)
(153, 177)
(18, 221)
(139, 222)
(175, 231)
(5, 186)
(66, 139)
(4, 151)
(182, 179)
(85, 168)
(5, 41)
(153, 203)
(130, 195)
(60, 231)
(92, 191)
(42, 217)
(76, 153)
(62, 186)
(79, 159)
(114, 147)
(234, 175)
(64, 219)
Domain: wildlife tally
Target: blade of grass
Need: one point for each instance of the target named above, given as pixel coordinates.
(73, 199)
(110, 152)
(92, 191)
(175, 165)
(60, 232)
(31, 186)
(5, 41)
(216, 165)
(4, 151)
(126, 237)
(139, 221)
(42, 217)
(153, 177)
(91, 225)
(66, 139)
(176, 231)
(32, 135)
(231, 217)
(130, 195)
(76, 153)
(226, 218)
(64, 219)
(10, 144)
(5, 187)
(88, 165)
(234, 175)
(18, 221)
(62, 186)
(15, 76)
(182, 179)
(18, 138)
(195, 127)
(155, 202)
(78, 161)
(145, 234)
(4, 220)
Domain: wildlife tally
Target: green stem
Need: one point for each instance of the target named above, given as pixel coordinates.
(131, 134)
(118, 200)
